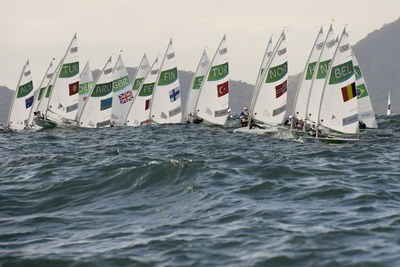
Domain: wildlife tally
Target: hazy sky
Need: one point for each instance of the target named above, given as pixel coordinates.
(42, 29)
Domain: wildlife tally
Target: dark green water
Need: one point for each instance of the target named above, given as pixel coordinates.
(182, 195)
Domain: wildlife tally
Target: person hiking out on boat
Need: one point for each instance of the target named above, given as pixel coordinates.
(300, 124)
(314, 129)
(244, 117)
(196, 119)
(362, 125)
(189, 118)
(289, 122)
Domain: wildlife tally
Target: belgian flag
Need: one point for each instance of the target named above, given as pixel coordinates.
(349, 91)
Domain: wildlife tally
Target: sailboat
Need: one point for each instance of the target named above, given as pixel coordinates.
(22, 101)
(304, 87)
(139, 113)
(338, 112)
(213, 102)
(269, 102)
(62, 107)
(166, 100)
(319, 77)
(85, 86)
(44, 100)
(365, 110)
(388, 112)
(196, 83)
(40, 92)
(96, 112)
(122, 93)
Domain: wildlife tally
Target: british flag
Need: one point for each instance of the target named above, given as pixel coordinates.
(125, 97)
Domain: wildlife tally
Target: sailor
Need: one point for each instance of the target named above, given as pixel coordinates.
(314, 129)
(362, 125)
(196, 119)
(288, 123)
(299, 124)
(112, 124)
(244, 117)
(189, 118)
(1, 126)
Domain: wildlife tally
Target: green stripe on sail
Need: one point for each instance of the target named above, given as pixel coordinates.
(102, 89)
(342, 72)
(310, 70)
(120, 83)
(85, 88)
(218, 72)
(41, 92)
(168, 76)
(323, 68)
(361, 91)
(197, 82)
(137, 83)
(276, 73)
(25, 89)
(147, 89)
(48, 91)
(69, 70)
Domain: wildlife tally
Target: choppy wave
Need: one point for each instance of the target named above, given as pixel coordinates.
(197, 195)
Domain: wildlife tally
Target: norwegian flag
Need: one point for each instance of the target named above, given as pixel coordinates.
(125, 97)
(281, 89)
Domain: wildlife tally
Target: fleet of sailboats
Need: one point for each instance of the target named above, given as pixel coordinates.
(331, 96)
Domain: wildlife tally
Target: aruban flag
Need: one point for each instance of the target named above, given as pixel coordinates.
(223, 89)
(74, 88)
(281, 89)
(349, 91)
(125, 97)
(106, 103)
(147, 104)
(28, 102)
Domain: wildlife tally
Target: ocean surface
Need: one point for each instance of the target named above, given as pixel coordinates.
(196, 195)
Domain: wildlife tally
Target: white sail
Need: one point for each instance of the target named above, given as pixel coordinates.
(388, 106)
(40, 92)
(44, 100)
(85, 86)
(96, 112)
(263, 66)
(64, 97)
(196, 82)
(319, 76)
(271, 95)
(140, 74)
(365, 110)
(339, 107)
(22, 101)
(303, 89)
(213, 101)
(139, 112)
(166, 101)
(122, 93)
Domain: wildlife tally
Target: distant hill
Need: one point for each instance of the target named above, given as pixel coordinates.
(378, 54)
(379, 57)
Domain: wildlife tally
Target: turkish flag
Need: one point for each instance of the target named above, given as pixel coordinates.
(74, 88)
(147, 104)
(223, 89)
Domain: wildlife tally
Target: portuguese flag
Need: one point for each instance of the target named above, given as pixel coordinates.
(349, 91)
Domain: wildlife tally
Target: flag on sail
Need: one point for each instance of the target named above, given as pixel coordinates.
(281, 89)
(223, 88)
(106, 103)
(125, 97)
(174, 94)
(349, 91)
(29, 102)
(147, 104)
(74, 88)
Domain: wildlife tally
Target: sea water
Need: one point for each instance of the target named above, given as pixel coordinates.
(179, 195)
